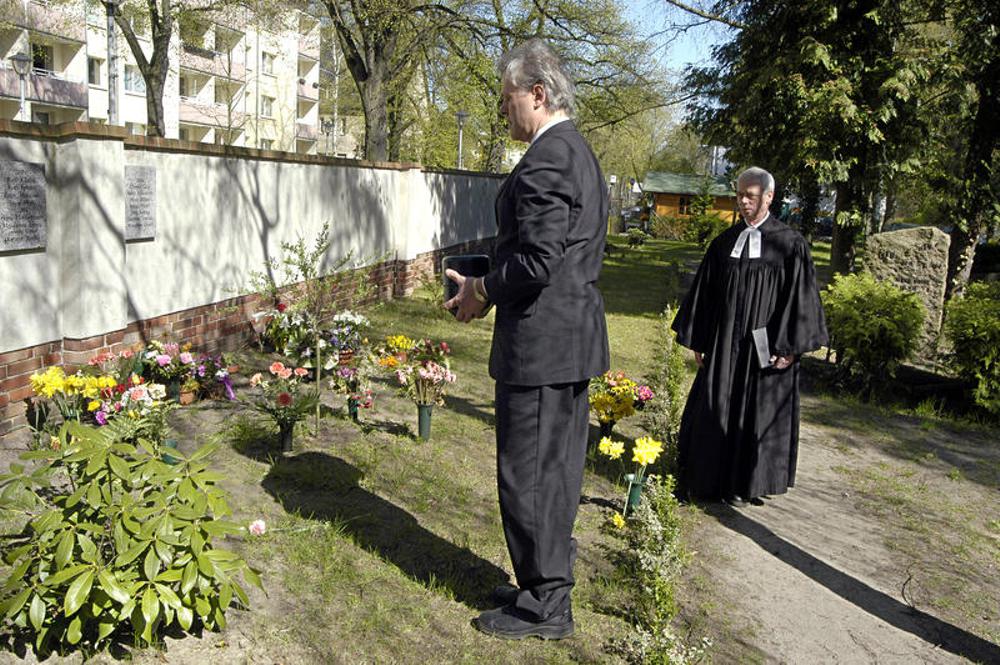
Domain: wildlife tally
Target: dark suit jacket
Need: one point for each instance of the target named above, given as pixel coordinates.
(552, 214)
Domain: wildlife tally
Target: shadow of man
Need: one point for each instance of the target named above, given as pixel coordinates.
(322, 487)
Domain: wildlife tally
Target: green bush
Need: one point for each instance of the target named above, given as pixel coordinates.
(704, 227)
(662, 416)
(650, 564)
(636, 238)
(973, 327)
(873, 327)
(115, 539)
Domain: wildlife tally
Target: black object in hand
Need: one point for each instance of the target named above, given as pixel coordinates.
(470, 265)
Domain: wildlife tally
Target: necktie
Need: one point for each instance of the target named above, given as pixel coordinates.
(751, 234)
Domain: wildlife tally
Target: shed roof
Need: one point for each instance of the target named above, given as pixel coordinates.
(685, 183)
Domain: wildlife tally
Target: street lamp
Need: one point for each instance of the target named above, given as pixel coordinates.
(461, 116)
(330, 127)
(22, 63)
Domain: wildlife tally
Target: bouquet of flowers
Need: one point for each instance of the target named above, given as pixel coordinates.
(167, 362)
(282, 396)
(121, 365)
(645, 451)
(209, 374)
(72, 394)
(353, 381)
(423, 371)
(347, 332)
(614, 396)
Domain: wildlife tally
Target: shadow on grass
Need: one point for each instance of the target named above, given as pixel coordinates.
(479, 411)
(636, 282)
(319, 486)
(885, 607)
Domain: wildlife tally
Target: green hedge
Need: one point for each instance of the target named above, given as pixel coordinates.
(973, 327)
(873, 327)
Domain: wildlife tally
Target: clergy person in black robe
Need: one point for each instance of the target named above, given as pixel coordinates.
(751, 312)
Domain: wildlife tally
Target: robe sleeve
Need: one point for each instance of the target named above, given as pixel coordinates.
(798, 324)
(696, 317)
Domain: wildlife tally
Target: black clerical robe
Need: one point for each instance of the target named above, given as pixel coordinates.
(740, 429)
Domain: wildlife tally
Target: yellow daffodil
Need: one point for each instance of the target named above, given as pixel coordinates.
(93, 405)
(646, 450)
(612, 449)
(618, 521)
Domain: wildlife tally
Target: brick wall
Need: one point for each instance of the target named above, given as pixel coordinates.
(220, 326)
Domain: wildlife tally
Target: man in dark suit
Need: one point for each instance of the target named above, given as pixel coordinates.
(549, 339)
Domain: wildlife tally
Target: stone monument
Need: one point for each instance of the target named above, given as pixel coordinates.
(915, 260)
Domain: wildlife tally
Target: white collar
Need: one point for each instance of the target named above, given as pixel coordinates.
(544, 128)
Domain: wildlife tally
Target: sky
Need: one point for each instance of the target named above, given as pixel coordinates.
(677, 49)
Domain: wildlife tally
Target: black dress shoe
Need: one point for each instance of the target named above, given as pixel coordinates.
(735, 501)
(505, 594)
(507, 623)
(755, 501)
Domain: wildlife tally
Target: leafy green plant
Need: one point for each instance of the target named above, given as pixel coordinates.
(662, 416)
(650, 562)
(636, 238)
(973, 327)
(115, 539)
(873, 327)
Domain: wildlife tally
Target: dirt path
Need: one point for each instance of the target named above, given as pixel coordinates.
(810, 578)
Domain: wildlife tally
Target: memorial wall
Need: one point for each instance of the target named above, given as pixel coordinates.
(102, 234)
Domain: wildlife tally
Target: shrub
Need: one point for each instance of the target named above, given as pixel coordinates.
(650, 563)
(115, 539)
(873, 327)
(662, 417)
(973, 327)
(703, 228)
(636, 238)
(986, 258)
(667, 227)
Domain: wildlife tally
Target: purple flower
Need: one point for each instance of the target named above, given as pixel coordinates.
(101, 418)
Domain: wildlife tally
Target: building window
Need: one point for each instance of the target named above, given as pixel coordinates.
(266, 107)
(265, 144)
(684, 206)
(184, 134)
(267, 63)
(185, 87)
(94, 66)
(42, 58)
(41, 117)
(135, 128)
(134, 81)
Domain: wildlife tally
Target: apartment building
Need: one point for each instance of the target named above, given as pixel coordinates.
(232, 80)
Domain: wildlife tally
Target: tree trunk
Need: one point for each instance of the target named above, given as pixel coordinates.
(374, 100)
(810, 206)
(974, 211)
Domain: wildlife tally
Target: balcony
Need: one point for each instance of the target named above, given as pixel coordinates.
(309, 45)
(43, 87)
(308, 91)
(211, 115)
(65, 22)
(211, 62)
(306, 132)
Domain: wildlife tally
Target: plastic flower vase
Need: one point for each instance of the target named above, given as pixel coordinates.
(169, 444)
(173, 389)
(634, 496)
(352, 408)
(424, 420)
(285, 431)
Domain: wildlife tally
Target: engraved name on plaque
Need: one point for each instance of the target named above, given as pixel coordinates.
(140, 202)
(22, 206)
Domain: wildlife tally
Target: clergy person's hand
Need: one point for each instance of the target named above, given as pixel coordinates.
(465, 300)
(698, 358)
(782, 362)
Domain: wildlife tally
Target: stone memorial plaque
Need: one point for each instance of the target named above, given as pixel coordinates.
(22, 206)
(140, 202)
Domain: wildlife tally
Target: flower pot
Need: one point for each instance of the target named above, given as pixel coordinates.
(352, 408)
(346, 357)
(424, 420)
(187, 397)
(285, 431)
(173, 389)
(169, 444)
(233, 369)
(634, 496)
(606, 428)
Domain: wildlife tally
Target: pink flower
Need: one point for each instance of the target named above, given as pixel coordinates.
(101, 418)
(276, 367)
(285, 373)
(301, 371)
(187, 358)
(127, 353)
(445, 348)
(172, 348)
(255, 380)
(137, 393)
(257, 528)
(163, 360)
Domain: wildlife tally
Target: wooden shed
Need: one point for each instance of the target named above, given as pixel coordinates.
(673, 194)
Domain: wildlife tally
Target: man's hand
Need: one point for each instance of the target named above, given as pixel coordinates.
(782, 362)
(468, 306)
(699, 358)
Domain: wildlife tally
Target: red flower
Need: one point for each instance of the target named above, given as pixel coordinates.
(281, 307)
(445, 348)
(284, 399)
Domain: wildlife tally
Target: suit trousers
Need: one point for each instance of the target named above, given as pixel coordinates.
(541, 450)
